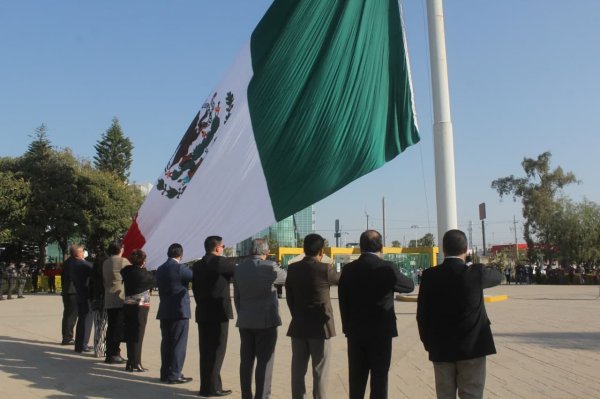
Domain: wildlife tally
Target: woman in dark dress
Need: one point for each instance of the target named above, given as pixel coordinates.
(137, 282)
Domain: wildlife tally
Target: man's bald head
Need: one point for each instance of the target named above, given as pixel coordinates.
(371, 241)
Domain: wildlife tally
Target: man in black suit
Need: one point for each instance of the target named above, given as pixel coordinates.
(81, 271)
(174, 314)
(453, 324)
(211, 286)
(366, 296)
(69, 298)
(307, 294)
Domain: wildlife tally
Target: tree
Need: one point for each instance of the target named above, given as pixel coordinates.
(109, 204)
(427, 240)
(575, 232)
(14, 196)
(538, 191)
(396, 244)
(113, 152)
(53, 212)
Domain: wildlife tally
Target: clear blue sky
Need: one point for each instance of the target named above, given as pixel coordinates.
(523, 79)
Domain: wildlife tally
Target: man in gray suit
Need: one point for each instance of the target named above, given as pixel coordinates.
(307, 295)
(114, 297)
(257, 307)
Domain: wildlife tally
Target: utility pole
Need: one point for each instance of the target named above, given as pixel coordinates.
(516, 241)
(471, 234)
(367, 215)
(383, 211)
(337, 234)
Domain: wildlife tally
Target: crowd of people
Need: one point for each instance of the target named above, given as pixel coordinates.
(110, 299)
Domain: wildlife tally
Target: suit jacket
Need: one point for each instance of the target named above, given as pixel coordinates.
(114, 294)
(137, 279)
(81, 271)
(68, 288)
(212, 276)
(255, 296)
(172, 279)
(366, 296)
(453, 324)
(307, 295)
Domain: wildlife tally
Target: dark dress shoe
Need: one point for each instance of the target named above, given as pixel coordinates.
(68, 342)
(180, 380)
(115, 360)
(223, 392)
(129, 367)
(139, 368)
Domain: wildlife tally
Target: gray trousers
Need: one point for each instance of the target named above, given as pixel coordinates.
(259, 345)
(465, 376)
(319, 351)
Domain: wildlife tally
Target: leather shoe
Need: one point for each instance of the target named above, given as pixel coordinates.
(223, 392)
(68, 342)
(180, 380)
(139, 368)
(86, 349)
(115, 360)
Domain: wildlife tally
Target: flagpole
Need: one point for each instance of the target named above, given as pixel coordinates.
(445, 184)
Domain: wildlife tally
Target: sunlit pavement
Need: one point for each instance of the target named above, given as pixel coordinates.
(547, 337)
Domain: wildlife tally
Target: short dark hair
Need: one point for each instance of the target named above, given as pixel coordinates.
(313, 244)
(211, 243)
(454, 243)
(114, 248)
(371, 241)
(175, 250)
(137, 257)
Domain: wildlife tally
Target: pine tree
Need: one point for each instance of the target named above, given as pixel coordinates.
(113, 152)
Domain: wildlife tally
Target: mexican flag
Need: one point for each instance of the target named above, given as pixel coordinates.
(319, 97)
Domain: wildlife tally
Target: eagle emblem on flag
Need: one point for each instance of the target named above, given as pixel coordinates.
(194, 146)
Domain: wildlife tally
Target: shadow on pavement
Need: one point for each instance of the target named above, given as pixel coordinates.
(52, 367)
(559, 340)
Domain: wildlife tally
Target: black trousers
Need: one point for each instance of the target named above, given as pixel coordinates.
(136, 318)
(212, 340)
(257, 345)
(369, 356)
(114, 331)
(173, 345)
(69, 316)
(84, 325)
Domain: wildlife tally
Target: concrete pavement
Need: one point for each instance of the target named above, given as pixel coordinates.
(547, 337)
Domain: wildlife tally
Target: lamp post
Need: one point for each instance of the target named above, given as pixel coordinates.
(415, 227)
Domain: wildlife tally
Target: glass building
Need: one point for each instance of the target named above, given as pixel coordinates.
(286, 232)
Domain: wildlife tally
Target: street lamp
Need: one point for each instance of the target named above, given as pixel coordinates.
(415, 227)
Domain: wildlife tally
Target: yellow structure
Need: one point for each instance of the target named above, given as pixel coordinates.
(285, 253)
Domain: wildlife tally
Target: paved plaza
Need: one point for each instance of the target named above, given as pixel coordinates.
(547, 337)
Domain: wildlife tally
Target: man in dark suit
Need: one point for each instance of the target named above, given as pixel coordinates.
(307, 294)
(453, 324)
(69, 299)
(81, 271)
(366, 295)
(174, 314)
(211, 286)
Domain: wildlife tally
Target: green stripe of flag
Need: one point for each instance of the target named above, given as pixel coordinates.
(330, 98)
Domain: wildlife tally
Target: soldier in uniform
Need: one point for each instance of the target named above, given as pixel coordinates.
(22, 275)
(2, 278)
(11, 276)
(34, 270)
